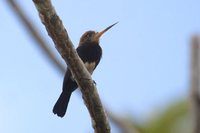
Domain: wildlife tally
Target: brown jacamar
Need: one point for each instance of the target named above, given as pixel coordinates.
(90, 53)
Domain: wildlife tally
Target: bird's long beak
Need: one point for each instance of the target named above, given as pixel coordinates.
(99, 34)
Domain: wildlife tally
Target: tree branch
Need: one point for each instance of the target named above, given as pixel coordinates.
(43, 44)
(124, 125)
(64, 46)
(195, 83)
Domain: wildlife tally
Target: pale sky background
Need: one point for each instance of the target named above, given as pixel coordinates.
(145, 64)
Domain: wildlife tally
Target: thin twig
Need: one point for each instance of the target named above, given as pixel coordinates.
(195, 83)
(36, 35)
(123, 124)
(65, 47)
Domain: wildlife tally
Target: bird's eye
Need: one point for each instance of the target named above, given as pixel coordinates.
(88, 35)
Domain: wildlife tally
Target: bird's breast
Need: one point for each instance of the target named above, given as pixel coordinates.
(90, 53)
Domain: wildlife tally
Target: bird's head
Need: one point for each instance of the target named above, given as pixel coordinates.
(92, 36)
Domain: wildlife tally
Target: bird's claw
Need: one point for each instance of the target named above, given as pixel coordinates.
(94, 82)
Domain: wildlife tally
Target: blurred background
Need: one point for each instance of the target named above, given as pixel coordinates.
(144, 78)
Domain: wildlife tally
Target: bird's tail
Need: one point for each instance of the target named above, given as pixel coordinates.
(61, 105)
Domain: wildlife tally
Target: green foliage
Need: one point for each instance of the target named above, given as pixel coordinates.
(175, 119)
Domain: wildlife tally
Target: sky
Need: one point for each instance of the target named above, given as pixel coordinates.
(145, 64)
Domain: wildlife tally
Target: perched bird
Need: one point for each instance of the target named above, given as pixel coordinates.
(90, 52)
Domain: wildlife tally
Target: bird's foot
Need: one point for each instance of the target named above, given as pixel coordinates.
(94, 82)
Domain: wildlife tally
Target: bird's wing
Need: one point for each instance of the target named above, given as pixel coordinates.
(69, 83)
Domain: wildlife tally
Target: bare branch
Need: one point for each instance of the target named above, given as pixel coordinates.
(36, 35)
(123, 124)
(64, 46)
(195, 83)
(44, 45)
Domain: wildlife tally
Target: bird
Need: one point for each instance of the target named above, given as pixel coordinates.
(90, 53)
